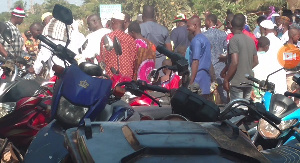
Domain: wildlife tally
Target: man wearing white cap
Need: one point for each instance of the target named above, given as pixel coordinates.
(17, 41)
(128, 46)
(46, 17)
(271, 63)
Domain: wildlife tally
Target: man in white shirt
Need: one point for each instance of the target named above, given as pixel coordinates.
(91, 47)
(58, 37)
(271, 62)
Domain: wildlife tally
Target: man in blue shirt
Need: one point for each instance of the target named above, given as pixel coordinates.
(200, 56)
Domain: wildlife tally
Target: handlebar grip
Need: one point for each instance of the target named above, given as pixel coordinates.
(157, 88)
(296, 78)
(173, 56)
(68, 54)
(260, 108)
(48, 42)
(152, 87)
(249, 77)
(272, 117)
(292, 94)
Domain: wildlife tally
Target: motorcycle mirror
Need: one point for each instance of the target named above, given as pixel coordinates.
(117, 46)
(153, 76)
(62, 14)
(108, 44)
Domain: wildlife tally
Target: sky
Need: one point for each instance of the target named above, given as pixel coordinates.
(4, 7)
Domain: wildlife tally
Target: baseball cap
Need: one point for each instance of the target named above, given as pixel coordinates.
(18, 12)
(268, 24)
(179, 17)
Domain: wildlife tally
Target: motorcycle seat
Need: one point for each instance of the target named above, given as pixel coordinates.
(91, 69)
(286, 153)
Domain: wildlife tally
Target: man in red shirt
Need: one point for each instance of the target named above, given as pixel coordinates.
(128, 46)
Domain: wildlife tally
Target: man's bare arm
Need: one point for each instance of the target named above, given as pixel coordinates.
(232, 67)
(194, 69)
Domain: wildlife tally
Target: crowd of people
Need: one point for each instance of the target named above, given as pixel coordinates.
(219, 54)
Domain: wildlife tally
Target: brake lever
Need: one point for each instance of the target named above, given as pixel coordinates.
(133, 88)
(244, 83)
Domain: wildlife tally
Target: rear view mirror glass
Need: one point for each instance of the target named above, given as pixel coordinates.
(117, 46)
(108, 44)
(62, 14)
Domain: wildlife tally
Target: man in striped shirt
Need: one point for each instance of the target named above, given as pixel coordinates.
(14, 48)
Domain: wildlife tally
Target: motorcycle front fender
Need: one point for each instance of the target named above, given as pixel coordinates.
(48, 145)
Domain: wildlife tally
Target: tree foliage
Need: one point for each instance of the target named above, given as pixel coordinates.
(19, 3)
(165, 10)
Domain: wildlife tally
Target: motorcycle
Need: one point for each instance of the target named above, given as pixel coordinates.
(167, 141)
(80, 92)
(177, 141)
(285, 108)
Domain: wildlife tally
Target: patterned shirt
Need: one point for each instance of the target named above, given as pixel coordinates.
(145, 61)
(217, 39)
(17, 42)
(126, 60)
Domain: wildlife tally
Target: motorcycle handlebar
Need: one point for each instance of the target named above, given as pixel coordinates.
(48, 42)
(261, 109)
(296, 78)
(258, 107)
(272, 117)
(173, 56)
(68, 55)
(144, 85)
(249, 77)
(292, 94)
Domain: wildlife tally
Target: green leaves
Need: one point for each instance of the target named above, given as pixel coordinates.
(166, 10)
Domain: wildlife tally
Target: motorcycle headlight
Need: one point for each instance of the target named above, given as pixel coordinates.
(69, 113)
(6, 108)
(270, 132)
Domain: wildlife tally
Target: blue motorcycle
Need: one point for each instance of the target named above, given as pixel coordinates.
(268, 136)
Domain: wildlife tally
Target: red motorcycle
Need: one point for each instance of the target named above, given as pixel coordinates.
(23, 111)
